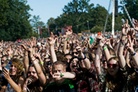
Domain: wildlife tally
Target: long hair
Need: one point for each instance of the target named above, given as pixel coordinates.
(19, 65)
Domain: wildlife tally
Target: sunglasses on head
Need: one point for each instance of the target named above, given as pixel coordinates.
(112, 65)
(31, 72)
(75, 52)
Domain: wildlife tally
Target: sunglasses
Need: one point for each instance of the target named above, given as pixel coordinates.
(112, 65)
(2, 62)
(48, 63)
(12, 66)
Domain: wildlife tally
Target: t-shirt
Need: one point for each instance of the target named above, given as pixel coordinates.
(66, 86)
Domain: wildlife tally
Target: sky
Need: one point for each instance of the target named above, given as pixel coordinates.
(53, 8)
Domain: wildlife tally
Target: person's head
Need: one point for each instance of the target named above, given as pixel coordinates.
(32, 73)
(75, 52)
(74, 63)
(16, 67)
(58, 68)
(68, 57)
(48, 66)
(4, 60)
(104, 63)
(113, 66)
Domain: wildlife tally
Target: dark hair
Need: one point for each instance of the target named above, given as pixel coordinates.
(113, 58)
(75, 57)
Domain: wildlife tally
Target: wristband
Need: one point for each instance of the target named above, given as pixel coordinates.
(61, 75)
(41, 62)
(105, 47)
(133, 54)
(83, 58)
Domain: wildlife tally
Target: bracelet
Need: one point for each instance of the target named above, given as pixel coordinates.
(61, 75)
(41, 62)
(133, 54)
(83, 58)
(105, 47)
(122, 42)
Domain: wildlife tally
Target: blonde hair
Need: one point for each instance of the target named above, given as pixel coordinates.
(113, 58)
(19, 65)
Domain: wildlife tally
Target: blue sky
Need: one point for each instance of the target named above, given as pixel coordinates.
(53, 8)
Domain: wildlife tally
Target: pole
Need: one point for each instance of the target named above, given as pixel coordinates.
(113, 17)
(88, 25)
(128, 15)
(107, 17)
(38, 31)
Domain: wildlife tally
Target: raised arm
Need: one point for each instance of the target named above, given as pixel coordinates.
(68, 75)
(97, 61)
(38, 68)
(14, 85)
(83, 57)
(51, 41)
(133, 54)
(122, 43)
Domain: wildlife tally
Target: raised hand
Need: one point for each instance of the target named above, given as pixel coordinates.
(131, 44)
(102, 41)
(37, 55)
(6, 73)
(68, 30)
(125, 28)
(51, 39)
(56, 76)
(135, 24)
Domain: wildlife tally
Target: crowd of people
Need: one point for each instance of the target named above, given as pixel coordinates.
(71, 62)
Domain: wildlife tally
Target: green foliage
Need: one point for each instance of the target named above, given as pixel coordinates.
(99, 15)
(51, 25)
(96, 29)
(35, 22)
(132, 8)
(75, 14)
(14, 20)
(45, 32)
(3, 9)
(81, 15)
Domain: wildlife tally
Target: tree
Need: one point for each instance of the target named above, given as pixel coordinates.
(82, 15)
(52, 25)
(96, 28)
(3, 9)
(14, 19)
(132, 8)
(37, 24)
(75, 13)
